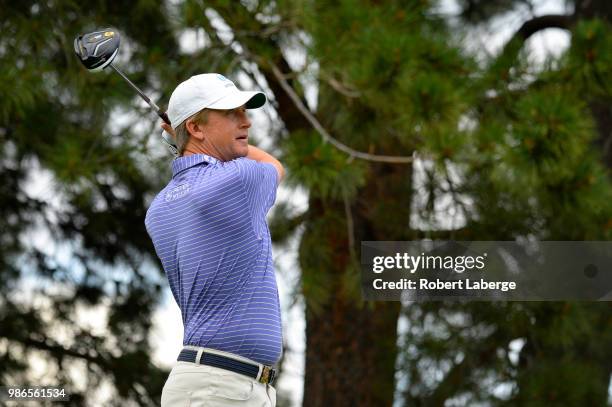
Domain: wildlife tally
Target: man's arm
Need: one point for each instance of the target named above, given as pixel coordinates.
(259, 155)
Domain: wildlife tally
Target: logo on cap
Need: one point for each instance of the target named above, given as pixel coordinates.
(223, 78)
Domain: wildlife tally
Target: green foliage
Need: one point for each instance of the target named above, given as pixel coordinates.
(316, 262)
(401, 65)
(547, 140)
(538, 148)
(284, 223)
(552, 134)
(325, 171)
(322, 279)
(350, 283)
(589, 59)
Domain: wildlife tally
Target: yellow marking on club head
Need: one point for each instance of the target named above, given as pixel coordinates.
(109, 33)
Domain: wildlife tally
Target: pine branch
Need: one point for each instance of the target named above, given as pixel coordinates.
(323, 132)
(540, 23)
(530, 27)
(57, 349)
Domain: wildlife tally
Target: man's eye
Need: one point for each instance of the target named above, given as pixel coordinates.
(235, 113)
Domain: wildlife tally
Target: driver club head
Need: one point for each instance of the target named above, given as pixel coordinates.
(96, 50)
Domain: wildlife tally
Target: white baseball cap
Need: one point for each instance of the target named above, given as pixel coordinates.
(212, 91)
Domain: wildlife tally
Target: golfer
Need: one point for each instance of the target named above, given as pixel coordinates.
(208, 226)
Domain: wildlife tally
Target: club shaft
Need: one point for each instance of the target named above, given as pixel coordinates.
(142, 95)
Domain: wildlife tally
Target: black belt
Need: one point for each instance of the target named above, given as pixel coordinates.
(267, 375)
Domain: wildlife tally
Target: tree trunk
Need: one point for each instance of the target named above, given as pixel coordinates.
(350, 354)
(351, 345)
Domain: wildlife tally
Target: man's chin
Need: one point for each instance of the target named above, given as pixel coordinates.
(240, 152)
(243, 151)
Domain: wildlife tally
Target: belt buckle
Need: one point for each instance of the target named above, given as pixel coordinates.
(267, 375)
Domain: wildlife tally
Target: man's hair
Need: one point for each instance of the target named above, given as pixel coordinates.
(181, 132)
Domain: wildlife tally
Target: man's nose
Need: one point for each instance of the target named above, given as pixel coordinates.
(245, 121)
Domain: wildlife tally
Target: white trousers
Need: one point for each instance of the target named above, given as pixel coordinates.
(195, 385)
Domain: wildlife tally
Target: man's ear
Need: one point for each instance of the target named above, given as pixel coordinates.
(195, 129)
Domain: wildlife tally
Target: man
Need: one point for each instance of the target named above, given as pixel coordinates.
(208, 226)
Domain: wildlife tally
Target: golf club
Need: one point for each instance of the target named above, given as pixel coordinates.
(96, 50)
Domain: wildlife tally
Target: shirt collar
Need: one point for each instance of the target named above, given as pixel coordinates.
(182, 163)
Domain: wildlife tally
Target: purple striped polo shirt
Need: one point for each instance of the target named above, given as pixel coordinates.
(209, 229)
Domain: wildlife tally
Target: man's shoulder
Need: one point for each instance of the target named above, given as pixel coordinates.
(247, 167)
(155, 204)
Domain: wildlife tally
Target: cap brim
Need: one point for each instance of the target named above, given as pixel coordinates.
(251, 100)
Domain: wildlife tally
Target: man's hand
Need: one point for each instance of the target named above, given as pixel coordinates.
(169, 137)
(168, 129)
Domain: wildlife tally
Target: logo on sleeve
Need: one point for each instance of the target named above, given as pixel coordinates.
(178, 192)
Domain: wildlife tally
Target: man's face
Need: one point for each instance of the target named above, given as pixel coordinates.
(226, 133)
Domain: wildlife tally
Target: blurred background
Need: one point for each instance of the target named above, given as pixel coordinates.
(497, 116)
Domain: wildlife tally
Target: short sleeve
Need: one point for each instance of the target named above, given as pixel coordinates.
(260, 182)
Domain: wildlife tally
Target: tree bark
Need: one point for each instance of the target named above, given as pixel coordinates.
(350, 354)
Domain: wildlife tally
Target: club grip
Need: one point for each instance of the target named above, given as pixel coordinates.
(164, 117)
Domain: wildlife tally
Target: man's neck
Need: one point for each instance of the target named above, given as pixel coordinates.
(190, 150)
